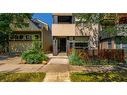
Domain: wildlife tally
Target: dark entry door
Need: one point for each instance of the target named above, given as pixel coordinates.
(62, 44)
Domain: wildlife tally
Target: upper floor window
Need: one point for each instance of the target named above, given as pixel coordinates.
(64, 19)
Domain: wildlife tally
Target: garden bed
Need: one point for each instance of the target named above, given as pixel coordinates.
(22, 77)
(114, 76)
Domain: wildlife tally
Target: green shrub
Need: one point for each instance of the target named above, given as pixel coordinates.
(34, 55)
(74, 59)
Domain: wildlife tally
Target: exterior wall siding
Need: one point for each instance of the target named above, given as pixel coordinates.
(47, 41)
(19, 46)
(63, 30)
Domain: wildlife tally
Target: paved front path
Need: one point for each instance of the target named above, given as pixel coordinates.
(57, 70)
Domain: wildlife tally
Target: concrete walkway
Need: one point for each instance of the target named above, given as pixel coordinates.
(21, 67)
(57, 70)
(12, 64)
(9, 59)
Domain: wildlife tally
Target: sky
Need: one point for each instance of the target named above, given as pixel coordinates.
(46, 17)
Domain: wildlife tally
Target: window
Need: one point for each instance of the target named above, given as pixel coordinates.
(81, 45)
(28, 37)
(64, 19)
(21, 37)
(37, 37)
(124, 46)
(71, 45)
(118, 46)
(16, 37)
(109, 44)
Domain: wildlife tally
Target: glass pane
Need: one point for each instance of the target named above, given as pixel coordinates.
(124, 46)
(28, 37)
(36, 36)
(118, 46)
(16, 37)
(21, 37)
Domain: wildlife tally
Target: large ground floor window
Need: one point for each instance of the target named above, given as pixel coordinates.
(121, 42)
(78, 44)
(121, 46)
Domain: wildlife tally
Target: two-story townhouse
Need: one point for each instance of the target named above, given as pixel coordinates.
(66, 34)
(118, 39)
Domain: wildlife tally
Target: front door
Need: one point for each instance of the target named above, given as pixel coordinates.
(62, 44)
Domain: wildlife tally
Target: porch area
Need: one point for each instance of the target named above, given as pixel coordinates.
(62, 45)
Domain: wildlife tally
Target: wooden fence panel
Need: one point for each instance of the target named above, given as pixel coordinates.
(108, 54)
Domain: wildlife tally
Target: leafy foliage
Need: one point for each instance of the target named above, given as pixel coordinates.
(12, 18)
(74, 59)
(35, 54)
(120, 40)
(105, 19)
(3, 39)
(33, 57)
(8, 19)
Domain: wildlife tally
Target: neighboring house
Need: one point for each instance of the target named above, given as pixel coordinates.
(21, 39)
(66, 34)
(116, 40)
(47, 35)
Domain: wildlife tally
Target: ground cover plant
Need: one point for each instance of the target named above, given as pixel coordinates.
(22, 77)
(114, 76)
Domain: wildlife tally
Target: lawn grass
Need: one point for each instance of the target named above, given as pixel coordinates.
(99, 77)
(22, 77)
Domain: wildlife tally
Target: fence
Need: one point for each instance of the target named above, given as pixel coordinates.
(108, 54)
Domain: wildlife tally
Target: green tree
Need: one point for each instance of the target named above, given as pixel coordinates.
(107, 20)
(87, 20)
(6, 19)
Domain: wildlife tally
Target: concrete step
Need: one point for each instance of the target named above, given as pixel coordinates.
(60, 57)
